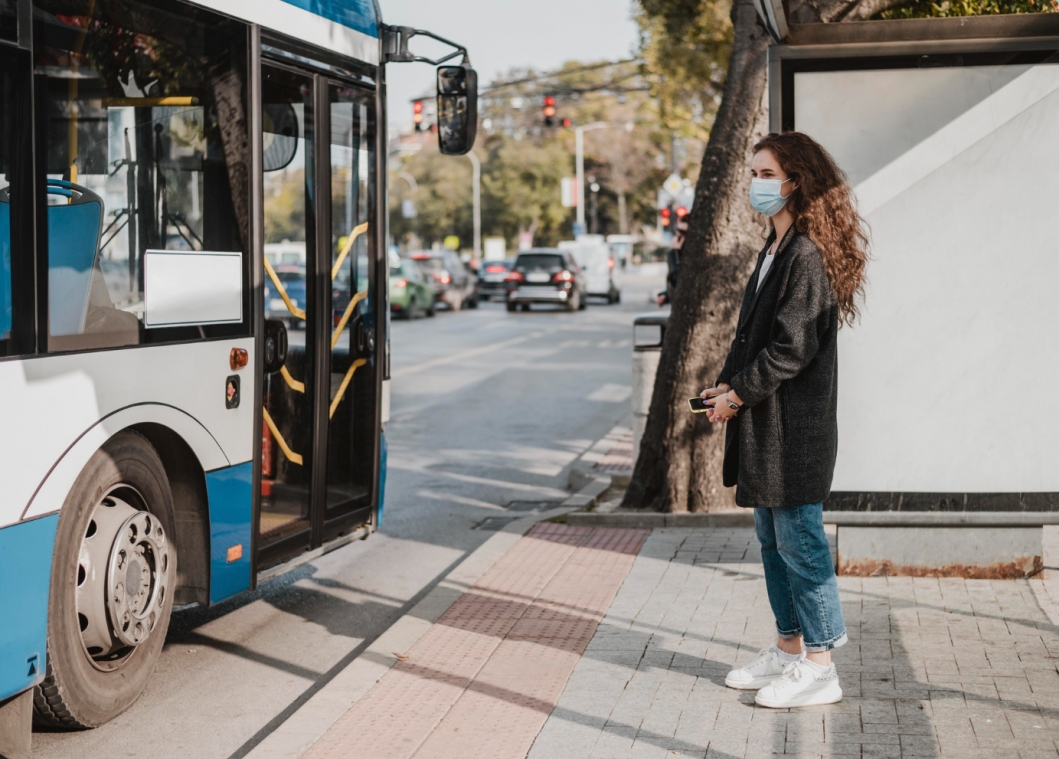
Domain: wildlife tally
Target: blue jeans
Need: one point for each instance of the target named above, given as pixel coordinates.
(800, 575)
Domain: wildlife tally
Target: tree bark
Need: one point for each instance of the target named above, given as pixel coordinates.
(679, 467)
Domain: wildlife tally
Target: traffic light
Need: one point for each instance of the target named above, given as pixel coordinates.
(417, 114)
(665, 217)
(681, 212)
(567, 123)
(549, 111)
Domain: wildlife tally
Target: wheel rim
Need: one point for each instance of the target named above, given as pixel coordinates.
(122, 578)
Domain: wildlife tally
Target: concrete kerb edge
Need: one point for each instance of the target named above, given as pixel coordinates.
(307, 725)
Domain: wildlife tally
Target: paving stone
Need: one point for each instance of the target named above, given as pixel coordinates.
(542, 658)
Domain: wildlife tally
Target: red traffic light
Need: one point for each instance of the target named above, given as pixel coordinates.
(567, 123)
(549, 111)
(417, 106)
(681, 212)
(663, 212)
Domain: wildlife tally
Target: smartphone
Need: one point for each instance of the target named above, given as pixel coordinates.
(698, 405)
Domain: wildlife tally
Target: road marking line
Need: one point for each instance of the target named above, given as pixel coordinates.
(611, 393)
(444, 360)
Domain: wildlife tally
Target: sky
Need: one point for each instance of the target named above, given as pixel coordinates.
(502, 34)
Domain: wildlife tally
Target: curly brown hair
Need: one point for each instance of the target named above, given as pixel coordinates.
(824, 208)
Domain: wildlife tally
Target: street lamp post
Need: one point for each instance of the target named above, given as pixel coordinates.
(477, 195)
(579, 150)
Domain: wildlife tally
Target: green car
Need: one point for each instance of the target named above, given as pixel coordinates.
(410, 295)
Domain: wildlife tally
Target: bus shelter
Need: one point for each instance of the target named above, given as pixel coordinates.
(947, 131)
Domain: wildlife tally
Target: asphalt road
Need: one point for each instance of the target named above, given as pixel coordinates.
(489, 409)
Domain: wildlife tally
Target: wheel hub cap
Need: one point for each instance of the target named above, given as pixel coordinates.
(122, 578)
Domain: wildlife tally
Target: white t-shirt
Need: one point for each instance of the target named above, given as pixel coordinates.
(765, 265)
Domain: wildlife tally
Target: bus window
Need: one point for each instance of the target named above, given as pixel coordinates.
(8, 21)
(137, 157)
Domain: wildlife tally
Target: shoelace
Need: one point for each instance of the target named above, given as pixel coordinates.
(792, 673)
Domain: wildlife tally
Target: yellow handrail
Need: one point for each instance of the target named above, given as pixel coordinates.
(293, 384)
(148, 102)
(345, 317)
(357, 232)
(292, 457)
(345, 383)
(295, 311)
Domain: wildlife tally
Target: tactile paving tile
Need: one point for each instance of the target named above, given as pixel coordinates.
(483, 680)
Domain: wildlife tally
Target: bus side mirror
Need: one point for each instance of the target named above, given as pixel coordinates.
(457, 109)
(275, 346)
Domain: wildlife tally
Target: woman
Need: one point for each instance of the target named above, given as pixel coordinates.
(778, 393)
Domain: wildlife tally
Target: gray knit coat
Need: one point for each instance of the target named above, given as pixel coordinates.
(783, 364)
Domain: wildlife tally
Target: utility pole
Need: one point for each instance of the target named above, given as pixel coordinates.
(579, 151)
(477, 194)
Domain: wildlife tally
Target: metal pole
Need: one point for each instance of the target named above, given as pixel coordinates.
(579, 151)
(477, 189)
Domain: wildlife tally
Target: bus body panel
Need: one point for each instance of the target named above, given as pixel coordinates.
(230, 492)
(25, 576)
(86, 398)
(317, 27)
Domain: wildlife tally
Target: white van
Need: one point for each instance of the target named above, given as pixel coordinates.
(597, 266)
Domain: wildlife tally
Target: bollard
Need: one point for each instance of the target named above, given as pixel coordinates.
(648, 333)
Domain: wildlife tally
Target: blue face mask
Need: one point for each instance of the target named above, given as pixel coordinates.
(765, 195)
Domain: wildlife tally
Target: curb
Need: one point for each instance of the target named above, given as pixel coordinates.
(658, 520)
(303, 728)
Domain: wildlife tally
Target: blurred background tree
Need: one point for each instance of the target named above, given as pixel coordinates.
(524, 159)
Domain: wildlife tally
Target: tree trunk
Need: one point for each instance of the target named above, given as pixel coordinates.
(679, 467)
(623, 217)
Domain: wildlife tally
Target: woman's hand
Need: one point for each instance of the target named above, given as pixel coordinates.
(720, 410)
(709, 392)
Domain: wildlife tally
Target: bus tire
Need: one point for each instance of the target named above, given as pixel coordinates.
(114, 530)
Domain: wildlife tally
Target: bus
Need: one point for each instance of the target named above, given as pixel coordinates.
(184, 415)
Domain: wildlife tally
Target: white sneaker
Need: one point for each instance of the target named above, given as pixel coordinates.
(765, 668)
(802, 684)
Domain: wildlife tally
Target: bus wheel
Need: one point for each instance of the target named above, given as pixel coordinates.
(112, 584)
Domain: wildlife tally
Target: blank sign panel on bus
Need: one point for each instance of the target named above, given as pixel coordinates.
(189, 288)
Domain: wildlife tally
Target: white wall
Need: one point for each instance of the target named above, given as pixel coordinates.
(948, 383)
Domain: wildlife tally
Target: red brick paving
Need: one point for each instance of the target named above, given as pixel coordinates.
(483, 680)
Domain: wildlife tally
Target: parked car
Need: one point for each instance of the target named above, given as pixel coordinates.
(454, 284)
(292, 278)
(410, 294)
(545, 275)
(491, 276)
(594, 257)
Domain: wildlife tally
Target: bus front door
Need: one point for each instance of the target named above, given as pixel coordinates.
(319, 432)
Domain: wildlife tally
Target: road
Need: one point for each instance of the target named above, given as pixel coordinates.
(489, 409)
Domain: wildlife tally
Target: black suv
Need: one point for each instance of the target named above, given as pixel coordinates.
(545, 275)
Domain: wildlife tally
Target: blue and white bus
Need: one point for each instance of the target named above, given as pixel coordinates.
(192, 318)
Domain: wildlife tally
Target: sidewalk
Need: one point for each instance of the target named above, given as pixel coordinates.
(602, 642)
